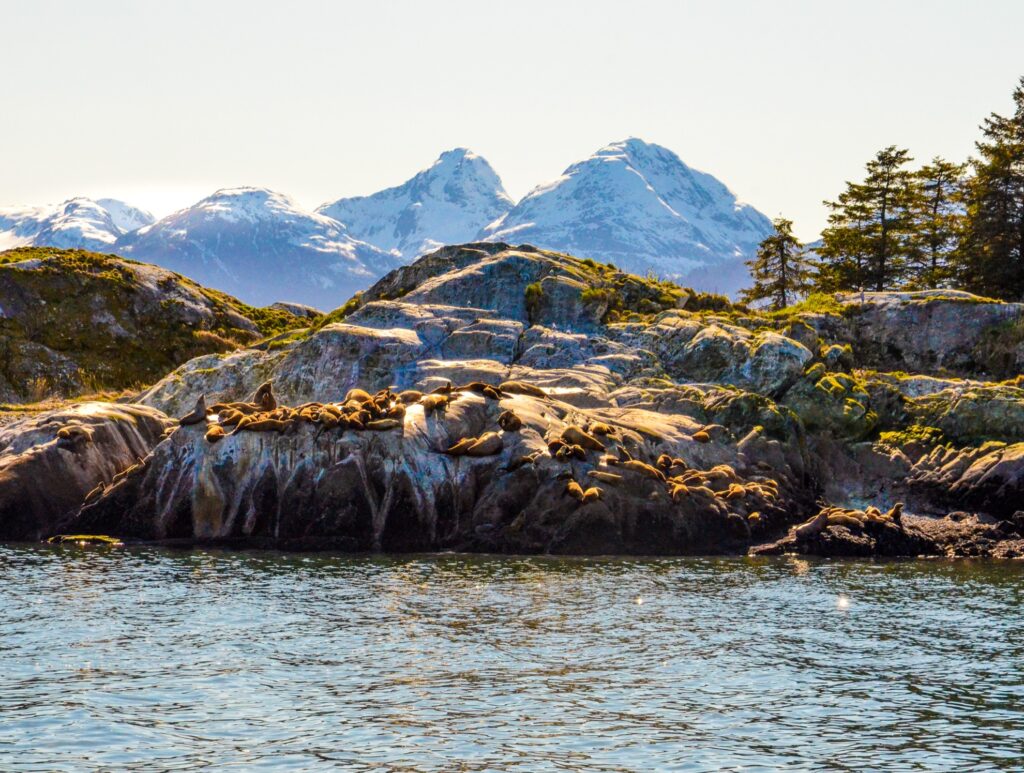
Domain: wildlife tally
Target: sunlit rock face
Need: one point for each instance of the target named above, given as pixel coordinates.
(50, 462)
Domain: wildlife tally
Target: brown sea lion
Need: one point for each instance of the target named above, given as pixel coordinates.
(359, 395)
(491, 393)
(434, 402)
(396, 411)
(573, 435)
(664, 462)
(845, 519)
(196, 415)
(521, 388)
(214, 433)
(605, 477)
(264, 397)
(522, 461)
(381, 425)
(895, 513)
(409, 396)
(600, 428)
(460, 448)
(644, 469)
(592, 494)
(509, 422)
(488, 444)
(702, 437)
(575, 490)
(678, 490)
(445, 389)
(812, 526)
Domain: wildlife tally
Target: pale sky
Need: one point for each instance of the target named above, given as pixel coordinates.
(161, 103)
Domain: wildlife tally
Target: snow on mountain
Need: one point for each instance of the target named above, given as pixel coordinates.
(261, 247)
(447, 203)
(125, 216)
(639, 206)
(75, 223)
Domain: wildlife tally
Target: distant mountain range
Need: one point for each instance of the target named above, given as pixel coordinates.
(631, 203)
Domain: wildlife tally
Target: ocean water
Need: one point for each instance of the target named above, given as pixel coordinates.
(148, 659)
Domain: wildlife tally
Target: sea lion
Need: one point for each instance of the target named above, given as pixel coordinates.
(754, 517)
(624, 454)
(445, 389)
(359, 395)
(579, 452)
(605, 477)
(509, 422)
(214, 433)
(230, 417)
(396, 411)
(592, 494)
(609, 460)
(644, 469)
(491, 393)
(600, 428)
(845, 519)
(267, 425)
(735, 491)
(434, 402)
(563, 453)
(664, 462)
(522, 461)
(678, 491)
(460, 448)
(196, 415)
(380, 425)
(573, 435)
(409, 396)
(72, 436)
(474, 386)
(521, 388)
(488, 444)
(812, 526)
(895, 514)
(575, 490)
(95, 494)
(264, 397)
(702, 437)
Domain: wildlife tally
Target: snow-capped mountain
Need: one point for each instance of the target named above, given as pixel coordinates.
(260, 246)
(639, 206)
(447, 203)
(75, 223)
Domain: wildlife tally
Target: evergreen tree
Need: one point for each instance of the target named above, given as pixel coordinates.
(869, 235)
(994, 243)
(937, 216)
(781, 271)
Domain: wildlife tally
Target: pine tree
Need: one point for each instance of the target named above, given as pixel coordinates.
(869, 235)
(781, 271)
(994, 242)
(937, 216)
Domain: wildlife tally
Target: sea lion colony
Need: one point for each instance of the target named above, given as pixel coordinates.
(597, 444)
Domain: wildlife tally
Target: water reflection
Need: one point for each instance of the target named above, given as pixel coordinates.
(163, 660)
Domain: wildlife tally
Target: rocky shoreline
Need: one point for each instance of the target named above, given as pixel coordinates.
(602, 413)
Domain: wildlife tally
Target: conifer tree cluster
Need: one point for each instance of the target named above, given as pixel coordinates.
(939, 225)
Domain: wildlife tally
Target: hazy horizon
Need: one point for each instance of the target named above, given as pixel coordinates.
(161, 105)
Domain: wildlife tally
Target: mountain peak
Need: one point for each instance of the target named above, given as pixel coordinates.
(638, 205)
(446, 203)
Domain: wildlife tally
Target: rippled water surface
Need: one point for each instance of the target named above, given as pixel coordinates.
(148, 659)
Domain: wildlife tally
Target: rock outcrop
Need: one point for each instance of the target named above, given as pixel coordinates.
(528, 401)
(52, 462)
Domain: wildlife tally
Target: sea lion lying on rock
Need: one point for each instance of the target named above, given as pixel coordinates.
(573, 435)
(488, 444)
(509, 422)
(521, 388)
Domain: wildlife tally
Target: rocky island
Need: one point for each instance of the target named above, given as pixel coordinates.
(515, 400)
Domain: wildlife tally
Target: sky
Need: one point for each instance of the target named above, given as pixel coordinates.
(161, 103)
